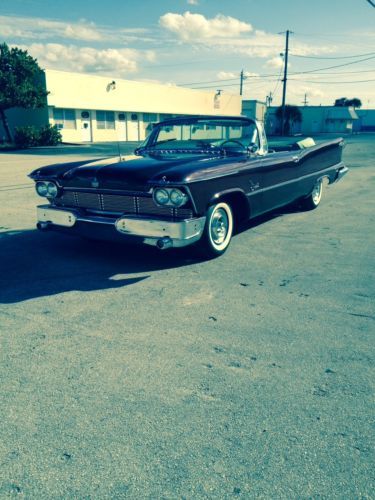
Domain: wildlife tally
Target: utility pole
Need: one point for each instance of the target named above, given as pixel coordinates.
(241, 81)
(284, 80)
(305, 101)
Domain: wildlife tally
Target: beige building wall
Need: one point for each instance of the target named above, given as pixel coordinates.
(74, 90)
(130, 99)
(80, 97)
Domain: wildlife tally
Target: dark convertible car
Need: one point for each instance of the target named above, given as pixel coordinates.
(193, 180)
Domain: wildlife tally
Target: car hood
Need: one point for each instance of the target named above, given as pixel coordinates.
(135, 174)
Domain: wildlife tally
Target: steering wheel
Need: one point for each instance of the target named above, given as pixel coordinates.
(234, 142)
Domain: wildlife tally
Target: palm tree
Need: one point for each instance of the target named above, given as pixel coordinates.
(292, 115)
(344, 102)
(355, 102)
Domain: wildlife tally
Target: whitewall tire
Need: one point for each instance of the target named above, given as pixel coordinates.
(218, 230)
(313, 200)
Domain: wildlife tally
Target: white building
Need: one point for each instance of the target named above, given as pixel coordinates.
(90, 108)
(254, 109)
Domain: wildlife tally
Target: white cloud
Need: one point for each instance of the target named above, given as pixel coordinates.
(88, 59)
(249, 74)
(232, 36)
(193, 2)
(195, 27)
(36, 28)
(227, 75)
(275, 62)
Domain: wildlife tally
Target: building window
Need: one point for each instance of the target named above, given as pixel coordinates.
(105, 119)
(64, 118)
(134, 117)
(121, 117)
(150, 117)
(85, 115)
(166, 117)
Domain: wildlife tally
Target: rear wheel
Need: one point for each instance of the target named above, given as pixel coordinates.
(218, 230)
(313, 200)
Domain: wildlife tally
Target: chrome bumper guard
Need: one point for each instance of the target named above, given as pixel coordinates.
(156, 232)
(341, 172)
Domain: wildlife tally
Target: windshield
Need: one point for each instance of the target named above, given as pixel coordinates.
(204, 135)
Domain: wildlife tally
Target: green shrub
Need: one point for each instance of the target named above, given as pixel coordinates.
(49, 136)
(25, 137)
(29, 136)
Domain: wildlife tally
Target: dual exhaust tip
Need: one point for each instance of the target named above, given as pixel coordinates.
(164, 243)
(42, 226)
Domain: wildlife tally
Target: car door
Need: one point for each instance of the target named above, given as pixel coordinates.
(279, 179)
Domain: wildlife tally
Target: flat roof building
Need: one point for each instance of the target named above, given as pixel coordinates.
(316, 120)
(90, 108)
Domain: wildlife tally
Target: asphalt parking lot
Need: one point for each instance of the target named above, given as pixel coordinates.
(131, 373)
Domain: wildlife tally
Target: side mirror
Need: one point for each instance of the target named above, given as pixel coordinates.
(252, 148)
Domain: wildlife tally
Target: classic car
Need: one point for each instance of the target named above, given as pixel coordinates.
(193, 180)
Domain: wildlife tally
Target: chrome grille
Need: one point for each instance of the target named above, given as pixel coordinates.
(118, 203)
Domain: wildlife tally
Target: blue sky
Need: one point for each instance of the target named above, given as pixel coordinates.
(206, 43)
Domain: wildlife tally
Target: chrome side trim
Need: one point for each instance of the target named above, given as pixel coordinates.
(320, 173)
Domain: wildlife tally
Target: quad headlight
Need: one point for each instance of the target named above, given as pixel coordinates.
(47, 189)
(161, 196)
(171, 197)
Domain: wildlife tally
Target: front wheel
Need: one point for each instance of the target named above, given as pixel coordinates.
(218, 230)
(313, 200)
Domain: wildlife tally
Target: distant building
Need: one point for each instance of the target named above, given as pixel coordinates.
(254, 109)
(90, 108)
(366, 122)
(317, 120)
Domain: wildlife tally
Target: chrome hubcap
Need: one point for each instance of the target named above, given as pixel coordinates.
(219, 226)
(317, 192)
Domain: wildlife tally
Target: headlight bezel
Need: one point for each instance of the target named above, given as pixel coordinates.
(171, 192)
(47, 189)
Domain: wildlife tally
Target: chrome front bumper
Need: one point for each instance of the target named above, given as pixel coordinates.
(156, 232)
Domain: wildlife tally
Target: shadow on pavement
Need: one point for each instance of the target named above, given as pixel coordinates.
(34, 264)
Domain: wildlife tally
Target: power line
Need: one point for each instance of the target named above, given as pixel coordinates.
(330, 83)
(332, 67)
(338, 57)
(271, 75)
(210, 81)
(344, 72)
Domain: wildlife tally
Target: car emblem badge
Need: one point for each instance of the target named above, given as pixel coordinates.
(95, 183)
